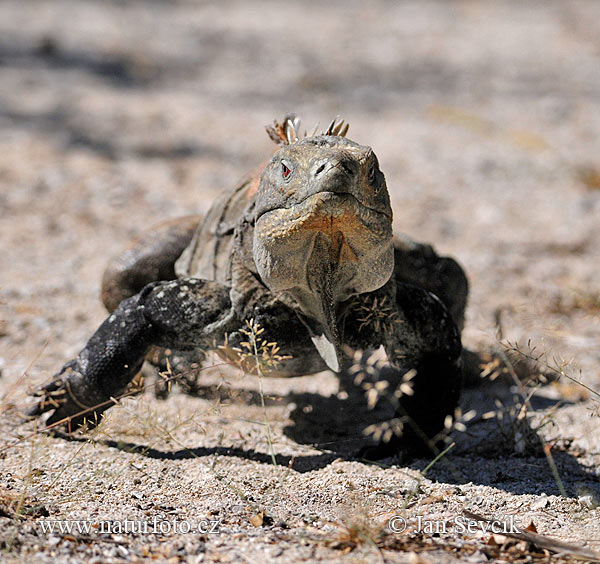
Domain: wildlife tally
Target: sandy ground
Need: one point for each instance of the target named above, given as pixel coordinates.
(485, 117)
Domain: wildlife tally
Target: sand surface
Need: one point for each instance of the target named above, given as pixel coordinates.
(485, 116)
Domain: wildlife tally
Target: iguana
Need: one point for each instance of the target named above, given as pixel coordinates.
(304, 248)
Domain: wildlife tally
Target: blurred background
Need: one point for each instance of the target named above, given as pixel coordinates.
(116, 114)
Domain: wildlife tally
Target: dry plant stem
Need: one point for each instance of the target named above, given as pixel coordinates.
(374, 545)
(67, 420)
(68, 463)
(160, 431)
(526, 401)
(254, 335)
(211, 468)
(542, 541)
(18, 381)
(558, 367)
(548, 453)
(112, 401)
(440, 455)
(23, 496)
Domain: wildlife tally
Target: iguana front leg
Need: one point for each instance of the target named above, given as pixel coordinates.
(180, 314)
(428, 341)
(418, 333)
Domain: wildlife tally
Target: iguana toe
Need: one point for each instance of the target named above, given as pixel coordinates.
(63, 395)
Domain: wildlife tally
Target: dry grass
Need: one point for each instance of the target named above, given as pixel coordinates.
(357, 528)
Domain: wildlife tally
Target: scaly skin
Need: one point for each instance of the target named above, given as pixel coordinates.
(307, 252)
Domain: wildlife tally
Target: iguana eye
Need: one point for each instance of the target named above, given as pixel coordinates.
(371, 175)
(285, 170)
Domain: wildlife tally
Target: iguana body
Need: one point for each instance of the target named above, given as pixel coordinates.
(304, 249)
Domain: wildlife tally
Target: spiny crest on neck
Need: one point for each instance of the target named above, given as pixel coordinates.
(287, 131)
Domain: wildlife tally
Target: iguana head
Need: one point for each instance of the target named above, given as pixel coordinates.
(323, 229)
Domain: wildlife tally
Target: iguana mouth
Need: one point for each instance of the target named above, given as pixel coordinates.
(354, 240)
(324, 195)
(327, 212)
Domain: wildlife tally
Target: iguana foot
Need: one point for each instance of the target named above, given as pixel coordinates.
(68, 395)
(172, 314)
